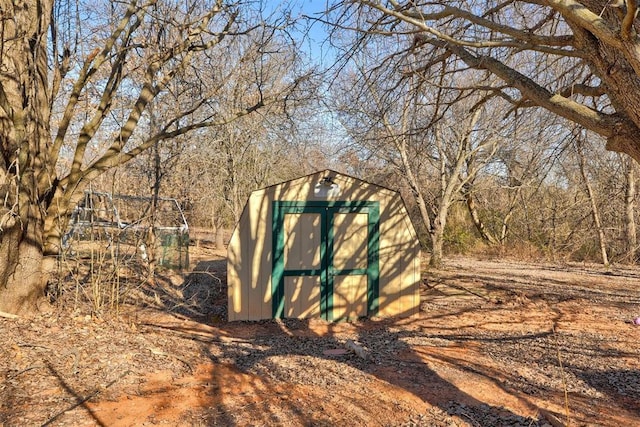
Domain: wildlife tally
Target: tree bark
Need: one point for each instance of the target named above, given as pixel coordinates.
(22, 282)
(219, 237)
(437, 240)
(26, 175)
(595, 213)
(630, 212)
(475, 218)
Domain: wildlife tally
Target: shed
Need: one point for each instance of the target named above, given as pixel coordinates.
(324, 245)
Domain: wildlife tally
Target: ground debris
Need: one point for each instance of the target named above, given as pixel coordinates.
(556, 349)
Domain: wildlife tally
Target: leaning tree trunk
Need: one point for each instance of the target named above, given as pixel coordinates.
(475, 218)
(26, 173)
(595, 212)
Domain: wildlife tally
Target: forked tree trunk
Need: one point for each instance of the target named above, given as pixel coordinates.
(475, 218)
(28, 256)
(437, 234)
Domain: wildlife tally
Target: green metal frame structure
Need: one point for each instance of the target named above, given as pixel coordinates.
(326, 210)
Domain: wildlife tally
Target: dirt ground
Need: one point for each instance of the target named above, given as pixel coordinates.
(497, 343)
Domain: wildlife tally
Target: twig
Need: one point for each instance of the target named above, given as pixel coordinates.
(8, 315)
(470, 418)
(462, 288)
(25, 370)
(357, 349)
(85, 399)
(162, 353)
(26, 344)
(207, 273)
(551, 419)
(564, 380)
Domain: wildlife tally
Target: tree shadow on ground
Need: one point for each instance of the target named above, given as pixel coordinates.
(199, 295)
(80, 401)
(267, 354)
(289, 352)
(205, 288)
(621, 385)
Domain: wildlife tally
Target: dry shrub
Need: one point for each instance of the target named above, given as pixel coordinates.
(101, 280)
(521, 251)
(97, 272)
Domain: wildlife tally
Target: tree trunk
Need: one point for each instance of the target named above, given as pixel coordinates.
(22, 282)
(598, 223)
(630, 211)
(411, 179)
(475, 218)
(554, 230)
(27, 175)
(217, 225)
(219, 237)
(595, 213)
(437, 233)
(437, 243)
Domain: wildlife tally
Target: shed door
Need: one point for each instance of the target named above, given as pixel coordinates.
(348, 263)
(325, 259)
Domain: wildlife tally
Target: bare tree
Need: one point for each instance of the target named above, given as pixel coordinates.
(436, 139)
(82, 101)
(578, 146)
(630, 210)
(505, 192)
(577, 59)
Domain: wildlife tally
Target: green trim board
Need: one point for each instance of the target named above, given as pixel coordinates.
(326, 210)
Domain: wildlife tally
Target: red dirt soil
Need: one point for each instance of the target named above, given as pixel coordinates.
(495, 343)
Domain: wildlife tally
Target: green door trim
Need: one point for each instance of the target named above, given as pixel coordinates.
(326, 209)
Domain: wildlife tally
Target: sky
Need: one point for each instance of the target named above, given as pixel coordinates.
(314, 42)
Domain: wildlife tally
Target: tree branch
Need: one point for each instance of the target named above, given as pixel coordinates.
(629, 17)
(582, 89)
(148, 92)
(91, 65)
(114, 156)
(4, 103)
(579, 14)
(524, 40)
(601, 123)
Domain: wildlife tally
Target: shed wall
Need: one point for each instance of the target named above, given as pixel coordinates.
(250, 258)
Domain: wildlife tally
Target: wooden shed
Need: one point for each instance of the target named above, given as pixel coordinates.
(324, 245)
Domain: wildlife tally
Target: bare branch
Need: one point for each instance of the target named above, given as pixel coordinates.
(149, 91)
(582, 89)
(91, 64)
(114, 157)
(597, 121)
(521, 39)
(629, 17)
(579, 14)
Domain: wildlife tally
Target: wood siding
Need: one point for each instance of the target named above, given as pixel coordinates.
(250, 253)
